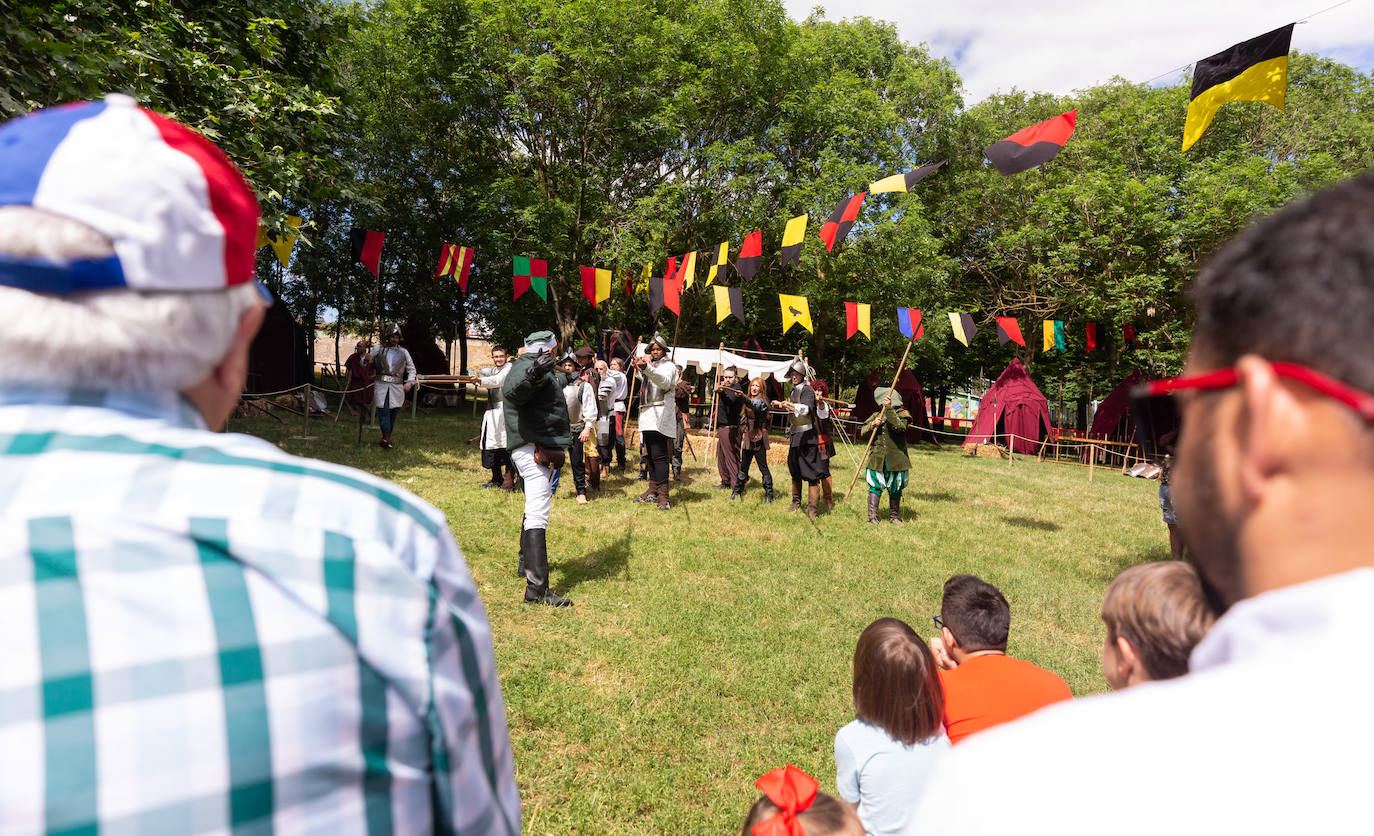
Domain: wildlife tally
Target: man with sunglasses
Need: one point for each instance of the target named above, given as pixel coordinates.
(1274, 486)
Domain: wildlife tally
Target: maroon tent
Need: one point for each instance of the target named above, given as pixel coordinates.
(1013, 406)
(913, 399)
(1114, 413)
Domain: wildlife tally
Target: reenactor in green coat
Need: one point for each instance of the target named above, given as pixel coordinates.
(888, 462)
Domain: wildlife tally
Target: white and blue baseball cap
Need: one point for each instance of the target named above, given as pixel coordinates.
(181, 216)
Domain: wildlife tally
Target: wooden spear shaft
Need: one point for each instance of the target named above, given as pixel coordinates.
(874, 435)
(634, 378)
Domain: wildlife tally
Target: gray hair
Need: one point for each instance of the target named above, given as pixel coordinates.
(143, 340)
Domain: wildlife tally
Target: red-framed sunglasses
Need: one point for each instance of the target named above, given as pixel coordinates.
(1156, 413)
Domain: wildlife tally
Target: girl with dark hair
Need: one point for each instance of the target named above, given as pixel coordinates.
(885, 757)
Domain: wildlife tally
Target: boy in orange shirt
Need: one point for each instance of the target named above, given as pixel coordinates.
(983, 685)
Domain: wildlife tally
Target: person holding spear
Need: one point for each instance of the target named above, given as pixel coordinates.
(888, 461)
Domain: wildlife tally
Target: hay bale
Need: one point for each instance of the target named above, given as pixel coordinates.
(987, 450)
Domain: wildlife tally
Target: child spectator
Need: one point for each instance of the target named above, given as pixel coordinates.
(1155, 613)
(791, 806)
(983, 686)
(884, 757)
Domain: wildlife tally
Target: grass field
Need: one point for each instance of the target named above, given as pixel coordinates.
(713, 642)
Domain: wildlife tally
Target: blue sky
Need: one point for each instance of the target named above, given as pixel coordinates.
(1058, 46)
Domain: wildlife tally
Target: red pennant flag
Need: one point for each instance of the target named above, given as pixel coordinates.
(589, 284)
(840, 221)
(1009, 330)
(750, 255)
(446, 261)
(1030, 147)
(367, 248)
(909, 323)
(1128, 333)
(672, 294)
(1092, 338)
(464, 267)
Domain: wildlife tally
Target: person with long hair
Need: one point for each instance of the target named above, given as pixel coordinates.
(753, 422)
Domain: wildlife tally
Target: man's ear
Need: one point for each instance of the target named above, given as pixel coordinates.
(1271, 415)
(948, 637)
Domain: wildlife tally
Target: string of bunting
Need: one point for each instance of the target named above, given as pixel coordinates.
(1253, 70)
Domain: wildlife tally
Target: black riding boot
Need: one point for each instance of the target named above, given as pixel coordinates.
(738, 491)
(768, 490)
(537, 571)
(873, 499)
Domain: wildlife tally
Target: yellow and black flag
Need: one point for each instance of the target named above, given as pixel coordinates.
(904, 182)
(1252, 71)
(717, 270)
(792, 237)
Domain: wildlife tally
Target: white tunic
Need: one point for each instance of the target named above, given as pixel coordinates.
(394, 369)
(494, 419)
(659, 413)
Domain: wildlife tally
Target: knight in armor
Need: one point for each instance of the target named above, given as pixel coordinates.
(657, 417)
(537, 433)
(493, 438)
(395, 376)
(804, 461)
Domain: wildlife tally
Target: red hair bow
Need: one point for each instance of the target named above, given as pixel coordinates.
(792, 791)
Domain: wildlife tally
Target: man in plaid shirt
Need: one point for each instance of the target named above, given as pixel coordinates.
(201, 633)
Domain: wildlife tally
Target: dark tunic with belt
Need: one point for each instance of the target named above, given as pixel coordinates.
(803, 455)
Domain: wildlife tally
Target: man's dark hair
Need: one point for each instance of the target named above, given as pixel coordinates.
(1297, 286)
(977, 613)
(731, 369)
(499, 348)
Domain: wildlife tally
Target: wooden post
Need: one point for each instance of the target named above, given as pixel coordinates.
(872, 437)
(630, 399)
(305, 413)
(715, 402)
(1092, 460)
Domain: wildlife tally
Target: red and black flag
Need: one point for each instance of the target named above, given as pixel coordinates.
(1030, 147)
(1092, 338)
(750, 255)
(1253, 71)
(838, 224)
(904, 182)
(1009, 330)
(367, 248)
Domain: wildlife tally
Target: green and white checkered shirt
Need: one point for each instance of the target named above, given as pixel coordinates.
(202, 634)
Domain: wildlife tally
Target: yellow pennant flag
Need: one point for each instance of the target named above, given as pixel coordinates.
(603, 285)
(687, 270)
(795, 309)
(282, 247)
(642, 285)
(1047, 332)
(722, 260)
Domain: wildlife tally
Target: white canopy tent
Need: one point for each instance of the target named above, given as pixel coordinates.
(706, 359)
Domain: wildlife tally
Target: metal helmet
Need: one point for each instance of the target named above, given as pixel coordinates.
(394, 328)
(799, 367)
(657, 341)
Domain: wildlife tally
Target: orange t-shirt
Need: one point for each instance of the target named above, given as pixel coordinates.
(986, 690)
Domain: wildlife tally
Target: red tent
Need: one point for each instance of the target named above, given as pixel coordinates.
(1013, 406)
(1114, 413)
(913, 399)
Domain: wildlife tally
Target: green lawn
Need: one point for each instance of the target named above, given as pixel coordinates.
(712, 642)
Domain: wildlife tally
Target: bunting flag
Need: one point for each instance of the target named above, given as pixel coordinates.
(367, 248)
(750, 255)
(909, 323)
(531, 273)
(1128, 333)
(904, 182)
(729, 300)
(464, 267)
(672, 293)
(962, 326)
(687, 272)
(1009, 330)
(1052, 333)
(792, 241)
(719, 266)
(454, 261)
(1033, 146)
(596, 284)
(671, 270)
(655, 294)
(1091, 338)
(1252, 71)
(281, 246)
(795, 310)
(856, 319)
(838, 224)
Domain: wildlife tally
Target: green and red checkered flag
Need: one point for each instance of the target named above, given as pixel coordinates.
(531, 273)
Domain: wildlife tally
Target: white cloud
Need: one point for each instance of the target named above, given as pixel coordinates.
(1057, 46)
